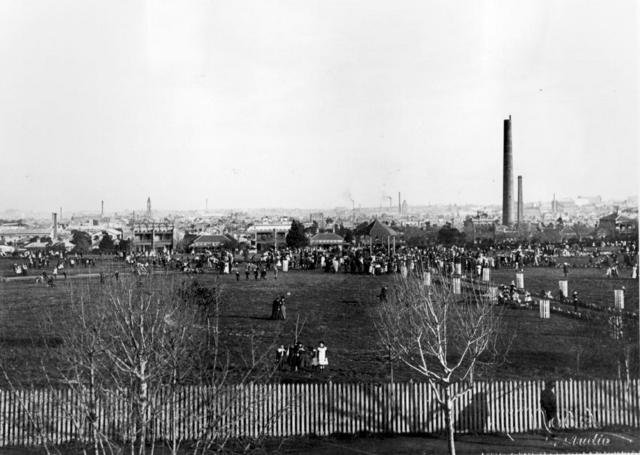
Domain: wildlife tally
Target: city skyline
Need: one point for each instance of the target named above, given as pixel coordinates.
(495, 208)
(314, 105)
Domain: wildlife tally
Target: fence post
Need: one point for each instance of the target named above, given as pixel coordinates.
(520, 280)
(456, 285)
(564, 288)
(544, 309)
(29, 416)
(619, 299)
(493, 294)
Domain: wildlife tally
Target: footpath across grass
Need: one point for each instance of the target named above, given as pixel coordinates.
(567, 442)
(530, 443)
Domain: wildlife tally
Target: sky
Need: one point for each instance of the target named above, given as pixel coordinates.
(314, 104)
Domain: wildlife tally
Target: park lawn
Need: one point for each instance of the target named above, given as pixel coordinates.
(104, 264)
(339, 309)
(591, 283)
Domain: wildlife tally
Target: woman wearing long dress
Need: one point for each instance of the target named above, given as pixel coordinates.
(323, 360)
(282, 309)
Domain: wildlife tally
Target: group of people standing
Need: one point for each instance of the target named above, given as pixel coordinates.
(278, 308)
(298, 357)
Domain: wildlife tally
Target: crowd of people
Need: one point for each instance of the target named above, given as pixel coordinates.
(46, 267)
(470, 261)
(373, 259)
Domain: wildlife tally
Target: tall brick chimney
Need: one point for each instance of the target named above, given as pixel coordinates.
(520, 202)
(54, 230)
(507, 183)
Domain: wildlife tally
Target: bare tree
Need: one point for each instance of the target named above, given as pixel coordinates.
(609, 337)
(615, 336)
(143, 342)
(441, 335)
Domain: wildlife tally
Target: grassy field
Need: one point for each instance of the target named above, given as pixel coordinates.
(591, 283)
(339, 309)
(104, 264)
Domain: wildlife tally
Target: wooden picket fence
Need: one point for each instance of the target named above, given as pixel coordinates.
(36, 416)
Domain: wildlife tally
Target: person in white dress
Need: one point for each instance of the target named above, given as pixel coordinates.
(323, 360)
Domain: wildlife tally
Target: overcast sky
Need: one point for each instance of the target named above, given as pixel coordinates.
(311, 104)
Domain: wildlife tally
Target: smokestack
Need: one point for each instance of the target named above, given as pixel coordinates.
(101, 209)
(520, 202)
(399, 203)
(54, 233)
(507, 183)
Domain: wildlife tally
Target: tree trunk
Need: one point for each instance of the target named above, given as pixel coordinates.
(140, 409)
(174, 411)
(627, 364)
(448, 418)
(92, 406)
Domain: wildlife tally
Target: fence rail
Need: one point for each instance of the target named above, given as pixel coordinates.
(34, 416)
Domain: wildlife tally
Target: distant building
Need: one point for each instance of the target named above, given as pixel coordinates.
(150, 236)
(318, 218)
(616, 226)
(209, 241)
(268, 235)
(480, 227)
(506, 233)
(588, 200)
(376, 233)
(326, 239)
(532, 212)
(21, 234)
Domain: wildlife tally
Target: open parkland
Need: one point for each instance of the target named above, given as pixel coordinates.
(339, 309)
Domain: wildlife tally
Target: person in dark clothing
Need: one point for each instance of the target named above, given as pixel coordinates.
(281, 310)
(298, 354)
(274, 308)
(548, 403)
(383, 294)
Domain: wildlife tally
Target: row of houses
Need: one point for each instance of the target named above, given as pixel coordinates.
(259, 237)
(152, 235)
(614, 226)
